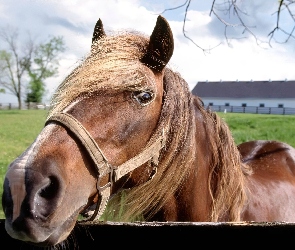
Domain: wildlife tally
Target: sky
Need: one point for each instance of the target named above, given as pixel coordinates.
(240, 57)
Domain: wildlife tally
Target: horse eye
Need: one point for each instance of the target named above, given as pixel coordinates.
(143, 98)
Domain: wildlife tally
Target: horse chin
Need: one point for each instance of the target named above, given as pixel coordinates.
(41, 236)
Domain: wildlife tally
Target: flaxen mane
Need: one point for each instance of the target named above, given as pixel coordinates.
(114, 63)
(227, 172)
(226, 178)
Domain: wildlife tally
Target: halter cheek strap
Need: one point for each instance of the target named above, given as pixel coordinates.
(102, 166)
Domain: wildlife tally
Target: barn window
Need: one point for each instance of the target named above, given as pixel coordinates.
(280, 105)
(244, 104)
(210, 103)
(226, 104)
(261, 105)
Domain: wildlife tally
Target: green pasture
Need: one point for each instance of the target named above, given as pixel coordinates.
(247, 127)
(19, 128)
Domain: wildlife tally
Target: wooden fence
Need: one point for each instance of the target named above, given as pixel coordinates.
(165, 235)
(253, 110)
(31, 105)
(217, 108)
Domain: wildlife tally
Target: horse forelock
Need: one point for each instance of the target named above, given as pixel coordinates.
(113, 63)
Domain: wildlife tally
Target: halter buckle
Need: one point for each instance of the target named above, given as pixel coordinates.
(109, 169)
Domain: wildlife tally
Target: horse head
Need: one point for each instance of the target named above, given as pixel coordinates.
(103, 133)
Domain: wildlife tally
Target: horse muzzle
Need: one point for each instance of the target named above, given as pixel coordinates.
(30, 199)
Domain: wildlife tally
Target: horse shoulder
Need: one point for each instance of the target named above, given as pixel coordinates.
(268, 156)
(271, 186)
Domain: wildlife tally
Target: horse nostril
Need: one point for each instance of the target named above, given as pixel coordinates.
(50, 189)
(44, 200)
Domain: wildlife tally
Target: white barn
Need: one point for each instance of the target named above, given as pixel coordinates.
(277, 94)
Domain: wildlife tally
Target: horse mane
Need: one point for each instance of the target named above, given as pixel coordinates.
(226, 179)
(148, 198)
(227, 171)
(114, 58)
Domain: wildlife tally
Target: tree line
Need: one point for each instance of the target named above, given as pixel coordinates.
(24, 67)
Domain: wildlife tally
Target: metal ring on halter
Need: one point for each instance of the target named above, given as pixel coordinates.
(110, 172)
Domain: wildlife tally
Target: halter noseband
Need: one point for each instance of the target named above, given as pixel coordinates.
(102, 166)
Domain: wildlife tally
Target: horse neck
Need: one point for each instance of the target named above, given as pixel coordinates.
(191, 201)
(176, 157)
(199, 176)
(213, 189)
(226, 172)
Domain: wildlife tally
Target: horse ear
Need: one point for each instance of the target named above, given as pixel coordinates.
(98, 32)
(161, 45)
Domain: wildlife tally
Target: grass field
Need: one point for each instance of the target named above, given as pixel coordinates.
(247, 127)
(19, 128)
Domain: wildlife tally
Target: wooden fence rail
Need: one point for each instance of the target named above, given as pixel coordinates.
(253, 110)
(31, 105)
(217, 108)
(165, 235)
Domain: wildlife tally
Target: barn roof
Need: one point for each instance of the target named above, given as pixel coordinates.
(246, 89)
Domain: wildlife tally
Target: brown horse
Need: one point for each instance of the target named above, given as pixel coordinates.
(123, 120)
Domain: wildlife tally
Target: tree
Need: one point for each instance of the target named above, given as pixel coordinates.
(26, 67)
(225, 9)
(45, 66)
(36, 90)
(13, 63)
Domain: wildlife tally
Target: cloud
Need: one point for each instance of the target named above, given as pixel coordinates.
(75, 20)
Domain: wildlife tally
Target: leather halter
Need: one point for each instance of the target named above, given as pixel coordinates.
(102, 166)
